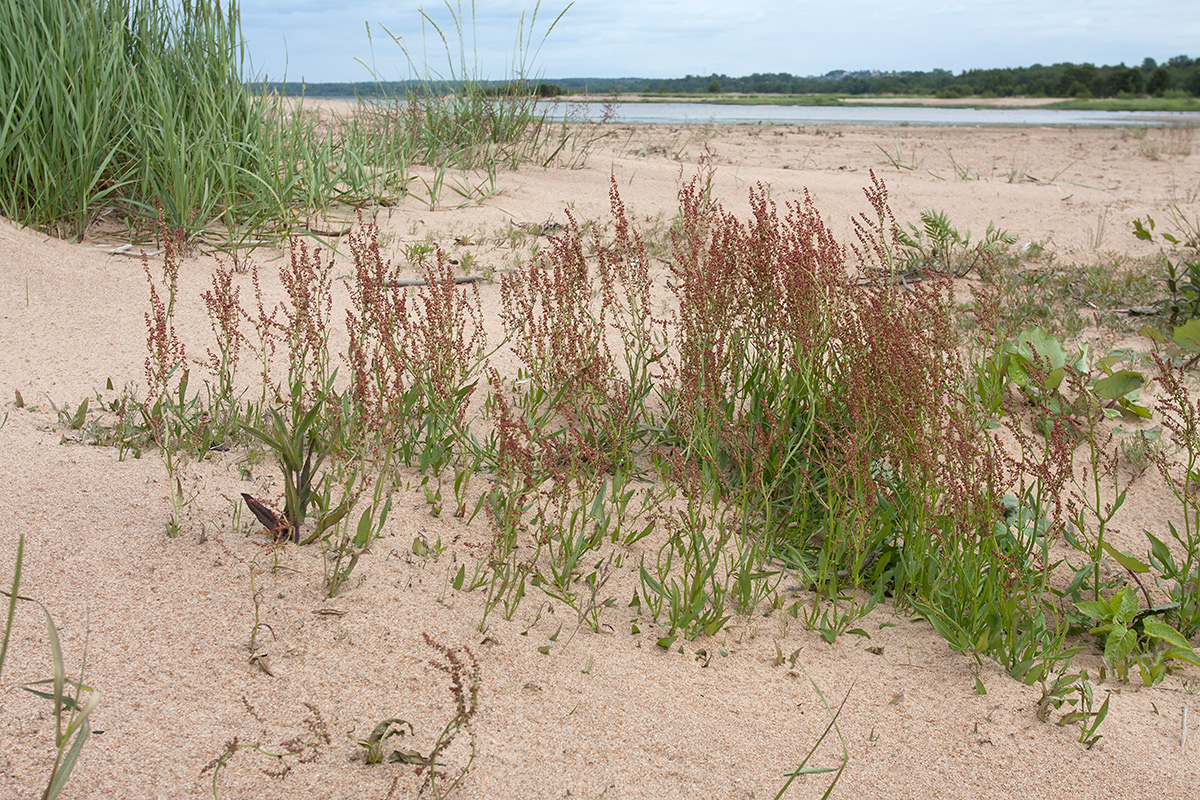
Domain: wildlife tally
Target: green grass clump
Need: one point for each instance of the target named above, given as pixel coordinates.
(126, 106)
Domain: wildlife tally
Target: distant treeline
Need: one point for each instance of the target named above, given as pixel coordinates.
(1178, 75)
(385, 89)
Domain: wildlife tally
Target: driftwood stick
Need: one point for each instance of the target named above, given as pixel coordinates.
(335, 234)
(403, 283)
(128, 250)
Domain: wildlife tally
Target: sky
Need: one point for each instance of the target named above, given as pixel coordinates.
(325, 40)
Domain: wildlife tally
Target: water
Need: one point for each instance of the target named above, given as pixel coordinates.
(717, 114)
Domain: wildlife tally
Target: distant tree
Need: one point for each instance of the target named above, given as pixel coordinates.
(1192, 84)
(1159, 82)
(1126, 79)
(714, 87)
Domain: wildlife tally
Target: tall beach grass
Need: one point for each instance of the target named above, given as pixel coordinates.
(111, 108)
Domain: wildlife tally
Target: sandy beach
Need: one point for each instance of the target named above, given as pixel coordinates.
(563, 711)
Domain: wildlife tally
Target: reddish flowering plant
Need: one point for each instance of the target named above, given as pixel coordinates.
(166, 363)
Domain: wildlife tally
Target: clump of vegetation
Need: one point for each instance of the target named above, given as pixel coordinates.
(938, 245)
(786, 414)
(72, 701)
(165, 120)
(1182, 261)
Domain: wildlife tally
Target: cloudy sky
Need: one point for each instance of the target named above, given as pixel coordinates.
(319, 40)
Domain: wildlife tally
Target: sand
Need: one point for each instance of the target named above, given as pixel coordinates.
(166, 622)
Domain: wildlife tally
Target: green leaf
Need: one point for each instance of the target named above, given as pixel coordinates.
(12, 600)
(1152, 333)
(1187, 336)
(1040, 348)
(1183, 654)
(1128, 562)
(1125, 605)
(459, 576)
(363, 535)
(68, 763)
(1143, 231)
(80, 415)
(648, 580)
(1118, 384)
(1119, 644)
(979, 687)
(1161, 630)
(1095, 609)
(666, 642)
(1161, 552)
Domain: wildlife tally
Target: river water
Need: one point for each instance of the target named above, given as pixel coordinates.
(718, 114)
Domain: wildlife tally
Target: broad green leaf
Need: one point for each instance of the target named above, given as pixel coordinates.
(1055, 378)
(1095, 609)
(1125, 604)
(1183, 654)
(666, 642)
(1161, 630)
(1152, 333)
(1119, 384)
(1187, 336)
(1040, 348)
(1119, 644)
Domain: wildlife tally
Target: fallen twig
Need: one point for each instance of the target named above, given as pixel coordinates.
(127, 250)
(402, 283)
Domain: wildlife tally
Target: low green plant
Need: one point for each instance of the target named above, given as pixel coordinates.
(1182, 261)
(1064, 382)
(1075, 691)
(897, 159)
(461, 666)
(1133, 635)
(301, 444)
(344, 547)
(71, 699)
(938, 245)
